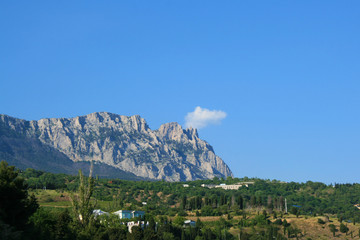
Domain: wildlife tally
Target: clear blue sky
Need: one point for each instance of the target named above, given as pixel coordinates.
(286, 73)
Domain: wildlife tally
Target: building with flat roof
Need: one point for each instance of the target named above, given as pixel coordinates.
(228, 187)
(128, 214)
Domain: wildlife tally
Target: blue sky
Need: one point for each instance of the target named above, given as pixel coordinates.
(285, 73)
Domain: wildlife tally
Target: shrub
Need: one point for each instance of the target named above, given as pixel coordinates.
(321, 221)
(278, 222)
(343, 228)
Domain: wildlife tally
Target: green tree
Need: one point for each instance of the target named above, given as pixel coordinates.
(115, 233)
(321, 221)
(168, 236)
(51, 224)
(343, 228)
(16, 206)
(179, 221)
(207, 211)
(183, 235)
(43, 222)
(149, 232)
(285, 225)
(62, 227)
(82, 206)
(294, 210)
(240, 202)
(183, 202)
(136, 233)
(332, 229)
(253, 201)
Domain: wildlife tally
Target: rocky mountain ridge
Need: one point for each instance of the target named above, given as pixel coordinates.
(127, 143)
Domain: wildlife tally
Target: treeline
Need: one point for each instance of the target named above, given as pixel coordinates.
(21, 218)
(310, 198)
(165, 198)
(37, 179)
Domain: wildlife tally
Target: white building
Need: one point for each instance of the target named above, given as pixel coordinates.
(99, 212)
(189, 223)
(228, 187)
(141, 224)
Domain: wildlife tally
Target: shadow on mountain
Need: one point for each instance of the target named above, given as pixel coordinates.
(24, 152)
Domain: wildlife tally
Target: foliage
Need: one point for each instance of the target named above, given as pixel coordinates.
(82, 205)
(52, 224)
(16, 206)
(332, 229)
(321, 221)
(168, 198)
(343, 228)
(264, 197)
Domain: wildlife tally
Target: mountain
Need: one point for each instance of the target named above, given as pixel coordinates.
(117, 144)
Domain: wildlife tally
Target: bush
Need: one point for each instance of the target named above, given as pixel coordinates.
(278, 222)
(321, 221)
(343, 228)
(182, 213)
(294, 210)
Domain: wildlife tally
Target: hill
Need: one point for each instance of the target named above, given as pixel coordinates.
(255, 212)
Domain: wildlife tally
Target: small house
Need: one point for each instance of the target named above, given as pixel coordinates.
(189, 223)
(128, 214)
(99, 212)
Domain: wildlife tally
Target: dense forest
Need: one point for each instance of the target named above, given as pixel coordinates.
(256, 211)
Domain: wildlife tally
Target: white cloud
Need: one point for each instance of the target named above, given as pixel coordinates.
(202, 117)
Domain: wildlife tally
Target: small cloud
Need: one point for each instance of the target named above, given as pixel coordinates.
(202, 117)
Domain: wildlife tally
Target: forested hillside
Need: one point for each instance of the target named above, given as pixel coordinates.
(168, 198)
(60, 206)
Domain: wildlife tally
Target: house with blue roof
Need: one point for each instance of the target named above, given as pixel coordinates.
(128, 214)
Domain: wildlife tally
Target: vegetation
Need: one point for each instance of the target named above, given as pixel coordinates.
(16, 206)
(253, 212)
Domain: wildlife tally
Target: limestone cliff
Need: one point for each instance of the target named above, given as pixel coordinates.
(127, 143)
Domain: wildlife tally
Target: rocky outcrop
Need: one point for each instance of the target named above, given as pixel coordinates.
(127, 143)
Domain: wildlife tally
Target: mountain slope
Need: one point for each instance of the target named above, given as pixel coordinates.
(125, 143)
(26, 152)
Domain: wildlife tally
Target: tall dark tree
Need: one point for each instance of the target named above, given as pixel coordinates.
(199, 202)
(253, 201)
(269, 202)
(240, 202)
(16, 206)
(183, 202)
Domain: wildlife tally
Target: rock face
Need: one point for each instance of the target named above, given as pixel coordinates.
(127, 143)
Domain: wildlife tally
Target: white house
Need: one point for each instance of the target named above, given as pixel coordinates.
(99, 212)
(189, 223)
(141, 224)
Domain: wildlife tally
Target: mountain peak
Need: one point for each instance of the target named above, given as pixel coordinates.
(126, 143)
(192, 132)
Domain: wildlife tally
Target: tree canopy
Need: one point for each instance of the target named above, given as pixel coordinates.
(16, 206)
